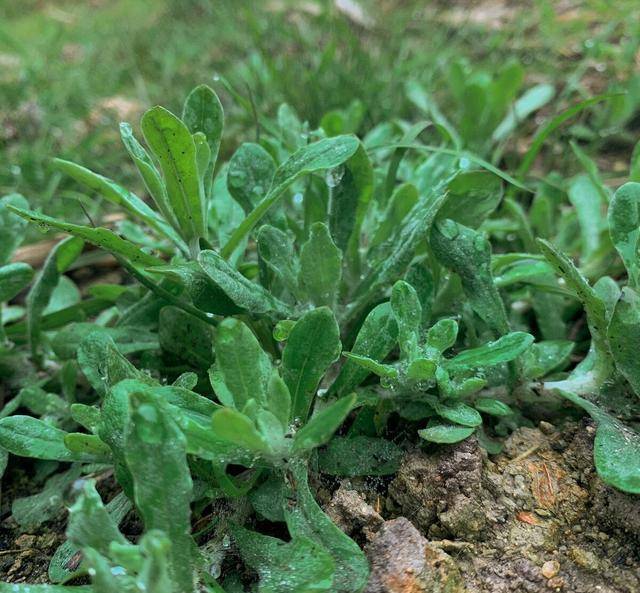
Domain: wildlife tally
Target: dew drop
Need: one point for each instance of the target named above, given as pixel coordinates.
(334, 176)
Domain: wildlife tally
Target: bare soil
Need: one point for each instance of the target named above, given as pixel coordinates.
(535, 518)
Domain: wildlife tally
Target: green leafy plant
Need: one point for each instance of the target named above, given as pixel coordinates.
(287, 307)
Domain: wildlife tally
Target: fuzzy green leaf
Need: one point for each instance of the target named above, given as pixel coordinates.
(472, 197)
(458, 413)
(29, 437)
(103, 364)
(325, 154)
(241, 291)
(445, 433)
(320, 266)
(150, 175)
(320, 428)
(58, 260)
(278, 399)
(504, 349)
(313, 345)
(155, 452)
(186, 337)
(276, 251)
(32, 511)
(616, 449)
(306, 519)
(173, 146)
(442, 335)
(493, 407)
(375, 340)
(624, 228)
(372, 366)
(546, 356)
(624, 336)
(592, 303)
(349, 201)
(118, 196)
(407, 311)
(11, 226)
(244, 366)
(251, 171)
(299, 566)
(90, 525)
(13, 278)
(205, 294)
(234, 427)
(100, 237)
(202, 113)
(468, 253)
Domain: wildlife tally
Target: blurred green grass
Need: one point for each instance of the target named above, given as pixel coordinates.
(69, 71)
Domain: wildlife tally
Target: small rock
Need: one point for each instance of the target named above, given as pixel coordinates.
(550, 569)
(556, 583)
(546, 427)
(402, 561)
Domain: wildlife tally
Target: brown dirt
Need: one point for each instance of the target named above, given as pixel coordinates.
(534, 519)
(24, 557)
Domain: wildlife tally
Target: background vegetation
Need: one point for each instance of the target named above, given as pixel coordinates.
(71, 70)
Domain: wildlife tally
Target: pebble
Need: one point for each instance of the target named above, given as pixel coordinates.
(546, 427)
(556, 583)
(550, 569)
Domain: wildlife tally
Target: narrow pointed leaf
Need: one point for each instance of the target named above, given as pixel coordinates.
(58, 260)
(100, 237)
(322, 425)
(172, 144)
(350, 199)
(150, 175)
(592, 303)
(372, 366)
(118, 195)
(504, 349)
